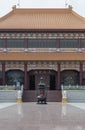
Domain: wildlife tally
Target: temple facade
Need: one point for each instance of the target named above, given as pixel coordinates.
(48, 43)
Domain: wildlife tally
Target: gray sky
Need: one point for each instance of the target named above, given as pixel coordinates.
(78, 5)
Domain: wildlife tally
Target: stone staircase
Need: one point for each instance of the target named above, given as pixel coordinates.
(76, 96)
(8, 95)
(52, 96)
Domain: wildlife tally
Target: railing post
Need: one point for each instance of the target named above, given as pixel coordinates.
(59, 85)
(81, 73)
(3, 74)
(25, 76)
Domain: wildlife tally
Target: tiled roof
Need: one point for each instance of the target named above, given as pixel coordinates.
(48, 56)
(20, 18)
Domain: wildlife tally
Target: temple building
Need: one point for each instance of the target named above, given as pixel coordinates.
(48, 43)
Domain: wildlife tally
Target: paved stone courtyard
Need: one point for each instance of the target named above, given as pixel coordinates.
(31, 116)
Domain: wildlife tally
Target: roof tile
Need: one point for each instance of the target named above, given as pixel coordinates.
(42, 19)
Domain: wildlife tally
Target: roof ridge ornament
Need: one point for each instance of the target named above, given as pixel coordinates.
(66, 3)
(70, 7)
(18, 4)
(14, 7)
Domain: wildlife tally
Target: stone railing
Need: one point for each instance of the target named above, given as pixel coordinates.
(72, 87)
(11, 87)
(7, 87)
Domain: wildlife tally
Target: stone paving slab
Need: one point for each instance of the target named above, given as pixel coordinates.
(4, 105)
(32, 116)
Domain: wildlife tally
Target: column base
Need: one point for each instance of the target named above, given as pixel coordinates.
(64, 100)
(19, 100)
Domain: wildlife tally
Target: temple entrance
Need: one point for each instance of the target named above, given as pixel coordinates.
(49, 78)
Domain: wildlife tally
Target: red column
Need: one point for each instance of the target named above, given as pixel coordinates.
(58, 84)
(25, 76)
(3, 74)
(81, 74)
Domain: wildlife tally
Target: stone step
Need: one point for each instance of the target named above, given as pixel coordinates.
(52, 96)
(75, 95)
(8, 96)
